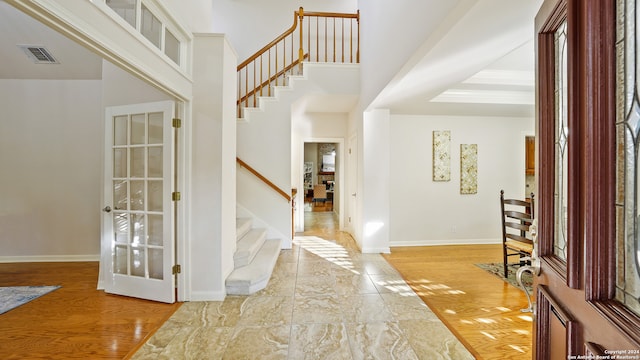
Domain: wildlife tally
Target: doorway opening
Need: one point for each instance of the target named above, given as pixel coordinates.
(321, 169)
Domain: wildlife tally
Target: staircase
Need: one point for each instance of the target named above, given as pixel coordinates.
(254, 259)
(269, 83)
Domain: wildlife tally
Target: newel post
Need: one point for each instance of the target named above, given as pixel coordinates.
(358, 49)
(301, 50)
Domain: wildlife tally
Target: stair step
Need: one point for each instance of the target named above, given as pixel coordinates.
(251, 278)
(248, 246)
(243, 225)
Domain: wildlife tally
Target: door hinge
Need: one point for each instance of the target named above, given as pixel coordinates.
(176, 269)
(177, 123)
(175, 196)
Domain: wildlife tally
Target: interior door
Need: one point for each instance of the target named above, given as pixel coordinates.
(138, 242)
(588, 122)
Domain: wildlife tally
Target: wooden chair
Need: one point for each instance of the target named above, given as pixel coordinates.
(517, 216)
(319, 193)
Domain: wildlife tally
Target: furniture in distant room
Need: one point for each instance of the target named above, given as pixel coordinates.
(319, 193)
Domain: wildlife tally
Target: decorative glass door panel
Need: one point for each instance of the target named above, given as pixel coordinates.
(138, 212)
(628, 147)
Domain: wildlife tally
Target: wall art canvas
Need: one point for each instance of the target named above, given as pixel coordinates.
(442, 155)
(468, 168)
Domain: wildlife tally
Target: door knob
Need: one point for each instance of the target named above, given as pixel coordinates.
(534, 268)
(107, 209)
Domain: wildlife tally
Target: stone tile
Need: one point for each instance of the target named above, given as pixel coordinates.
(354, 284)
(390, 284)
(432, 340)
(285, 268)
(379, 267)
(279, 285)
(259, 343)
(210, 313)
(266, 310)
(364, 308)
(408, 306)
(314, 268)
(379, 340)
(319, 341)
(316, 309)
(315, 285)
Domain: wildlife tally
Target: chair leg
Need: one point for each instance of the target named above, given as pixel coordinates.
(504, 261)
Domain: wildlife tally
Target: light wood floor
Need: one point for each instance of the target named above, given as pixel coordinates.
(76, 321)
(482, 310)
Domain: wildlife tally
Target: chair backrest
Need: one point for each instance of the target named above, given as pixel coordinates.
(320, 191)
(517, 216)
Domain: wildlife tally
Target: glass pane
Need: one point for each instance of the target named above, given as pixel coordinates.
(155, 128)
(154, 228)
(121, 228)
(120, 130)
(137, 162)
(155, 162)
(155, 264)
(120, 163)
(125, 8)
(137, 195)
(120, 195)
(628, 166)
(120, 260)
(561, 151)
(150, 27)
(138, 233)
(138, 263)
(138, 129)
(155, 195)
(172, 46)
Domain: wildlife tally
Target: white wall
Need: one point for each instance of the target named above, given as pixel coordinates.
(250, 24)
(313, 128)
(375, 195)
(424, 212)
(51, 161)
(212, 193)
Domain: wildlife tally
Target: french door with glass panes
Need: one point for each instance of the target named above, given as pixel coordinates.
(138, 242)
(588, 131)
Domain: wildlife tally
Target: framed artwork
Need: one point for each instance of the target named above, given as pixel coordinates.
(442, 155)
(468, 168)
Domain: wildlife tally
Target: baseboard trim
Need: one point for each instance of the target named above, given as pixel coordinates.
(445, 242)
(49, 258)
(382, 250)
(207, 296)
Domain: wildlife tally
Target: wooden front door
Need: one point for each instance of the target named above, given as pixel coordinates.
(588, 127)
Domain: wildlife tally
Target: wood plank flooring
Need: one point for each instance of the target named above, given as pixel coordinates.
(76, 321)
(482, 310)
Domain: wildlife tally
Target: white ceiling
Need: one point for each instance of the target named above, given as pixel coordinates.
(481, 65)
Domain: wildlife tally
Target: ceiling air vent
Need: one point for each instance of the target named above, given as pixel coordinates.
(38, 54)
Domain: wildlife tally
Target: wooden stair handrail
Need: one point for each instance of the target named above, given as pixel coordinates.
(270, 80)
(284, 55)
(264, 179)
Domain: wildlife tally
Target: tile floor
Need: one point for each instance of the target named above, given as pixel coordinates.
(325, 300)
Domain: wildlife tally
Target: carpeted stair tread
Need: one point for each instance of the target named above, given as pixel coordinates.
(243, 225)
(248, 279)
(248, 246)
